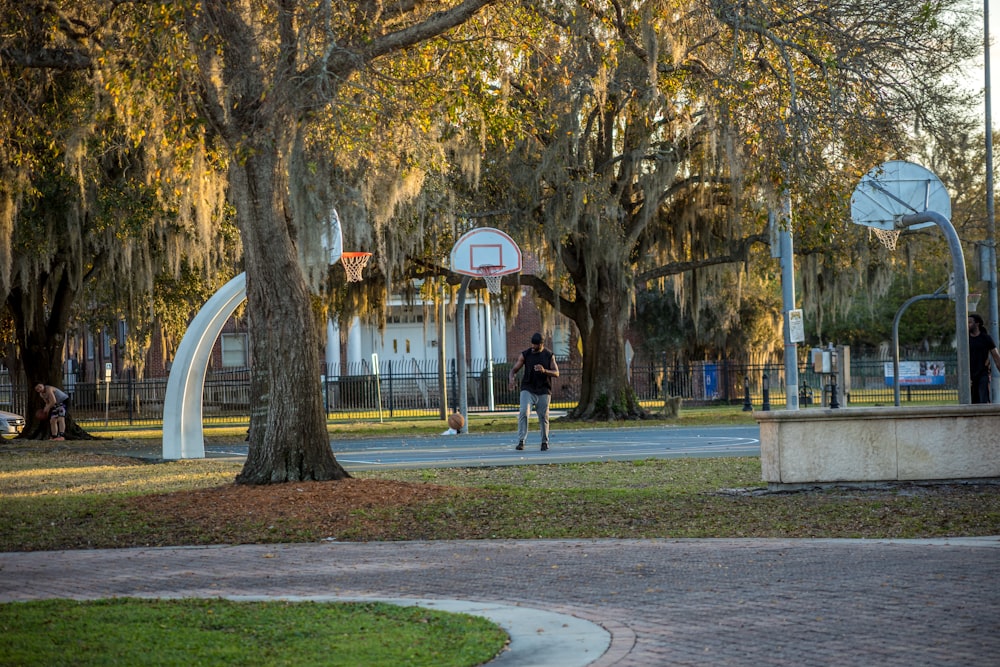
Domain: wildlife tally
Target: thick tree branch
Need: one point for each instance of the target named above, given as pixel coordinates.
(341, 59)
(571, 309)
(738, 253)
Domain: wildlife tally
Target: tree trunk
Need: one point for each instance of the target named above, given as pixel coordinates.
(41, 337)
(288, 437)
(606, 392)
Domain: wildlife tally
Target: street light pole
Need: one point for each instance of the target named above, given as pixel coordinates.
(991, 248)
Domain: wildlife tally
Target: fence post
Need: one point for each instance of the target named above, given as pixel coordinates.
(725, 379)
(392, 395)
(747, 405)
(454, 384)
(766, 391)
(326, 391)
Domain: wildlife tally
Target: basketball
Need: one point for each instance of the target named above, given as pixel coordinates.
(456, 421)
(41, 414)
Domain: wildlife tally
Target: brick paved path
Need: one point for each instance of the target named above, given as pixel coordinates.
(665, 602)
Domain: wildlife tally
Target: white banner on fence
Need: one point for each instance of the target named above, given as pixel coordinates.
(916, 373)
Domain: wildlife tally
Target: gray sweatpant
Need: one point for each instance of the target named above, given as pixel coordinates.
(541, 403)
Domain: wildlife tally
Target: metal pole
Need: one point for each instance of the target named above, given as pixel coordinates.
(490, 401)
(443, 356)
(991, 278)
(788, 303)
(463, 392)
(895, 336)
(961, 297)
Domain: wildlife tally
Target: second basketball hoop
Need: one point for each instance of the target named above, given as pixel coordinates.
(353, 263)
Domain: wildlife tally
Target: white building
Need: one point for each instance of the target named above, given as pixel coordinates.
(412, 337)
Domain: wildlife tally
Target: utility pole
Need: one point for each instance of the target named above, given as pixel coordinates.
(782, 228)
(991, 248)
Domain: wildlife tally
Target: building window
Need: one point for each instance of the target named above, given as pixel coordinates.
(234, 350)
(404, 315)
(560, 340)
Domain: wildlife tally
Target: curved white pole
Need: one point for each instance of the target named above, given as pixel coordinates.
(183, 437)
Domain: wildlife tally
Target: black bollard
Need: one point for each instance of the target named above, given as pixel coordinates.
(805, 395)
(767, 394)
(834, 404)
(747, 405)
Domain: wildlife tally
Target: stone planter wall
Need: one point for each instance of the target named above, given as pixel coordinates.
(821, 446)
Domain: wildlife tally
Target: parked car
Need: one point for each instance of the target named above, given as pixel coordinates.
(10, 424)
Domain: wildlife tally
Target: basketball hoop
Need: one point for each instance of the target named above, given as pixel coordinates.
(888, 237)
(973, 300)
(353, 263)
(488, 273)
(893, 190)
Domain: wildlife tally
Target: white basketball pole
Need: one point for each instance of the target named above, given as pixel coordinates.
(183, 436)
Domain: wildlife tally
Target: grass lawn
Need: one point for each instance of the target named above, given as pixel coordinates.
(221, 632)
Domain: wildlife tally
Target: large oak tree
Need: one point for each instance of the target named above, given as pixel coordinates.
(264, 70)
(664, 131)
(105, 189)
(261, 73)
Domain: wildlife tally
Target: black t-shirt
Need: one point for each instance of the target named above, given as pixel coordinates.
(537, 383)
(979, 354)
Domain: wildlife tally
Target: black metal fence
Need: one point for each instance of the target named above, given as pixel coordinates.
(412, 389)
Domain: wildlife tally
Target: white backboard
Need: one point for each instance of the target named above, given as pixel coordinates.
(894, 189)
(485, 246)
(332, 238)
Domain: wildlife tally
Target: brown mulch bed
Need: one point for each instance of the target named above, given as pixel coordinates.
(355, 508)
(297, 500)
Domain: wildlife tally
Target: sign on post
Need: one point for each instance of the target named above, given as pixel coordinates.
(796, 326)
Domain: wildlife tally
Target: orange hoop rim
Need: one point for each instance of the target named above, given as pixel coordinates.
(487, 270)
(351, 255)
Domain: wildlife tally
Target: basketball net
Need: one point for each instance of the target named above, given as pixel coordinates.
(888, 237)
(353, 263)
(973, 300)
(488, 274)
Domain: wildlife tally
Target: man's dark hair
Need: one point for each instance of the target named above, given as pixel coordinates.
(977, 318)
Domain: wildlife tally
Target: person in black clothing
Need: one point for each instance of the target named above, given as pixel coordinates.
(536, 388)
(981, 348)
